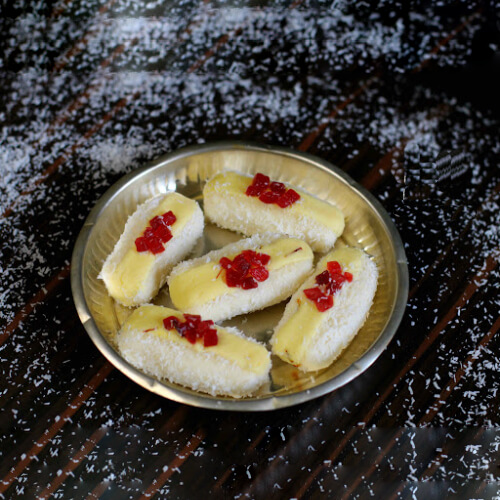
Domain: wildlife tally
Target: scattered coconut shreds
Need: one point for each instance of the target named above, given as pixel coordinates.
(89, 96)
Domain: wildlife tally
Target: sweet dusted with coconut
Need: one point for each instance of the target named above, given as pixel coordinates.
(241, 277)
(196, 353)
(256, 205)
(325, 314)
(160, 233)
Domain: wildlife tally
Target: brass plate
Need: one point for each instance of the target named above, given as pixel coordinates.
(368, 226)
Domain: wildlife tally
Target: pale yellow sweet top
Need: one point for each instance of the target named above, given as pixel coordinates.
(308, 206)
(248, 355)
(292, 340)
(205, 282)
(128, 276)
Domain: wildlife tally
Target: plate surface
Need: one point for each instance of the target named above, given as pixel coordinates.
(368, 226)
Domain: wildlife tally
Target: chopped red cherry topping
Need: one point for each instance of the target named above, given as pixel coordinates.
(288, 198)
(193, 329)
(272, 192)
(313, 294)
(323, 278)
(261, 258)
(246, 270)
(269, 197)
(141, 244)
(324, 303)
(249, 283)
(329, 282)
(261, 180)
(225, 263)
(210, 338)
(156, 234)
(278, 187)
(169, 218)
(334, 267)
(259, 273)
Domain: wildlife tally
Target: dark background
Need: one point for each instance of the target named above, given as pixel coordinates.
(93, 89)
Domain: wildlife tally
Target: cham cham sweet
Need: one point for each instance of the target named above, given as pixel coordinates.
(242, 277)
(159, 234)
(327, 311)
(196, 353)
(256, 205)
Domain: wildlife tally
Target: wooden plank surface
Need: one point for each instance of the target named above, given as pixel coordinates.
(93, 89)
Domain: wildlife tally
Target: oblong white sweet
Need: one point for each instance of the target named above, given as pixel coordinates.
(198, 286)
(236, 366)
(312, 340)
(133, 277)
(316, 221)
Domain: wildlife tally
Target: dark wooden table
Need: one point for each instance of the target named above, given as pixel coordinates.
(91, 89)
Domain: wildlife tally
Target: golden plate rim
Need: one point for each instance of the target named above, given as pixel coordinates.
(272, 402)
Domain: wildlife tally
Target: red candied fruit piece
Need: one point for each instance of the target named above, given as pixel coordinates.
(156, 222)
(278, 187)
(259, 273)
(288, 198)
(155, 245)
(334, 267)
(263, 258)
(163, 232)
(337, 280)
(313, 293)
(225, 263)
(241, 265)
(171, 323)
(249, 283)
(284, 201)
(250, 256)
(324, 303)
(321, 300)
(169, 218)
(192, 319)
(293, 195)
(205, 326)
(141, 244)
(190, 335)
(254, 190)
(348, 276)
(182, 328)
(323, 278)
(260, 180)
(269, 197)
(259, 184)
(210, 338)
(232, 278)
